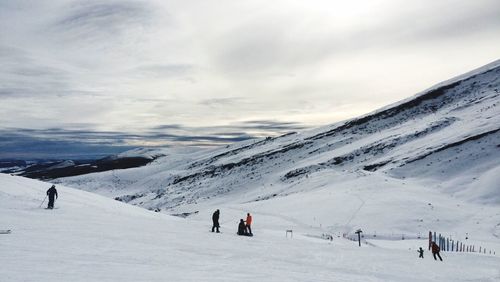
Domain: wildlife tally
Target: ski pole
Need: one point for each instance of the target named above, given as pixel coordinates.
(43, 201)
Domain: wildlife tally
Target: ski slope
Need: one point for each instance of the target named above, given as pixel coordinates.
(92, 238)
(428, 163)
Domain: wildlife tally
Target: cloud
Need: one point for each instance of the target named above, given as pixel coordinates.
(25, 76)
(271, 44)
(167, 126)
(271, 125)
(221, 102)
(224, 134)
(96, 20)
(61, 142)
(245, 129)
(164, 70)
(150, 72)
(31, 149)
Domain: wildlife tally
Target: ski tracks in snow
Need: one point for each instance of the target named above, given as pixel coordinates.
(355, 212)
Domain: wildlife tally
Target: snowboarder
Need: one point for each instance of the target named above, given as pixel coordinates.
(421, 252)
(215, 220)
(52, 192)
(248, 223)
(435, 251)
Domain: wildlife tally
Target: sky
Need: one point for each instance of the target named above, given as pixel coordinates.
(126, 73)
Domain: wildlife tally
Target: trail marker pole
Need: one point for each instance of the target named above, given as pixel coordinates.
(430, 240)
(359, 236)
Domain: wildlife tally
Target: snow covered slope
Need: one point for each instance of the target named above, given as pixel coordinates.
(431, 162)
(93, 238)
(446, 137)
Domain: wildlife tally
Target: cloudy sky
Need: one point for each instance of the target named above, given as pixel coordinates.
(161, 72)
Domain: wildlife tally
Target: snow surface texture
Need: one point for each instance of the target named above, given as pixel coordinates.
(92, 238)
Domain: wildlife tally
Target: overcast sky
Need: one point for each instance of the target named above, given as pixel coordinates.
(161, 72)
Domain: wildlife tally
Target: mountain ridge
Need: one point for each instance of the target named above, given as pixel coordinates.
(394, 140)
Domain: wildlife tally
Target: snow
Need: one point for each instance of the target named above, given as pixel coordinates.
(486, 185)
(92, 238)
(63, 164)
(147, 153)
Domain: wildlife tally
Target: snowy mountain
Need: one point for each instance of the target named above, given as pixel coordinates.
(428, 163)
(446, 137)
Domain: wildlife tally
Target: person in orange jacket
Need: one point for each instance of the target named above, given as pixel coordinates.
(248, 224)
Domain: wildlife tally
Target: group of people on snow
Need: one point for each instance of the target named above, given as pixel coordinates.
(435, 251)
(244, 226)
(245, 229)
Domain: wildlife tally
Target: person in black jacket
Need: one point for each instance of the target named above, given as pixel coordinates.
(52, 192)
(242, 229)
(420, 252)
(215, 221)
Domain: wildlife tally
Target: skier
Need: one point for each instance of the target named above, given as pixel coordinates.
(435, 251)
(421, 252)
(242, 228)
(248, 223)
(51, 193)
(215, 220)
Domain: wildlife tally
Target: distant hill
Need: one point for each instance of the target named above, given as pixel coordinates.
(51, 169)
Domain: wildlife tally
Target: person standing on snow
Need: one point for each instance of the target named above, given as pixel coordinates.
(52, 192)
(421, 252)
(215, 221)
(248, 223)
(435, 251)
